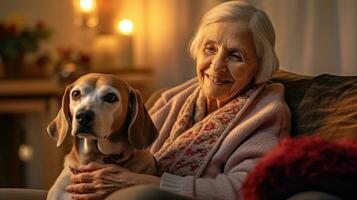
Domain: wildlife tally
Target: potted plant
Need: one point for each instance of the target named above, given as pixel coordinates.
(16, 42)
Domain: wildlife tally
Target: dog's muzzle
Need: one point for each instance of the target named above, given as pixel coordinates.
(85, 120)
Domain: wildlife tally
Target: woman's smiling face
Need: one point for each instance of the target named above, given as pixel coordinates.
(226, 60)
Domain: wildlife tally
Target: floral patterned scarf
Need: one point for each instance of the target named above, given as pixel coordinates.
(195, 134)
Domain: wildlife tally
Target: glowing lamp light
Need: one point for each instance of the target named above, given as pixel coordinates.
(85, 13)
(25, 152)
(86, 5)
(125, 26)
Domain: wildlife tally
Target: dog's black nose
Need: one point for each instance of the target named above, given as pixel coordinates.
(85, 118)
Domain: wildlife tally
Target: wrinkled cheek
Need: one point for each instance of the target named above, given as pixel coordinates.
(235, 89)
(200, 68)
(241, 83)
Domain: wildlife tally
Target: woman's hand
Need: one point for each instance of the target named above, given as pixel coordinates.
(97, 181)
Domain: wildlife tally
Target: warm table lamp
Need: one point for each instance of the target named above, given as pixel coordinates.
(85, 13)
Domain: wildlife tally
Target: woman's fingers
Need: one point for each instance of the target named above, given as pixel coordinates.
(97, 176)
(92, 166)
(100, 180)
(81, 188)
(97, 194)
(82, 178)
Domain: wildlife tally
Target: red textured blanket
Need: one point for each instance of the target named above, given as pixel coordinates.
(305, 164)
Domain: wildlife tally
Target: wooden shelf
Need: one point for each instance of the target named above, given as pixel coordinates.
(51, 87)
(29, 87)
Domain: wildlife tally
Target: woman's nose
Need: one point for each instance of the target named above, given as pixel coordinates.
(219, 62)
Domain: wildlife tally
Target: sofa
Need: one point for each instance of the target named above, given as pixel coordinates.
(323, 106)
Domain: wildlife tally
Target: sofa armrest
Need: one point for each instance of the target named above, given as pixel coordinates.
(22, 194)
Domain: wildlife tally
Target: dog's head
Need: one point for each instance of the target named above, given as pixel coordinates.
(101, 107)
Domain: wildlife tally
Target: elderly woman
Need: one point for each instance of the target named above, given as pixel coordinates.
(213, 128)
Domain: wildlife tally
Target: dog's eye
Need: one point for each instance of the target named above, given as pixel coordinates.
(76, 95)
(110, 98)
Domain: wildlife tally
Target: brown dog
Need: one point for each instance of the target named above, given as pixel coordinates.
(109, 124)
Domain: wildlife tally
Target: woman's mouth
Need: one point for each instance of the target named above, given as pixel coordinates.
(217, 80)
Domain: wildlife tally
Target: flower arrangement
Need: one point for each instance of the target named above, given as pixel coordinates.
(17, 41)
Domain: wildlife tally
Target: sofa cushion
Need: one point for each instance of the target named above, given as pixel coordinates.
(324, 105)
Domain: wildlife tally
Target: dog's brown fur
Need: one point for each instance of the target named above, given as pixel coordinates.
(131, 131)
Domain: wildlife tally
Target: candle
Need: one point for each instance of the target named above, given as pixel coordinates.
(86, 6)
(125, 27)
(85, 13)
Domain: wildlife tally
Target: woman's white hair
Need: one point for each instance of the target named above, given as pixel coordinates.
(260, 28)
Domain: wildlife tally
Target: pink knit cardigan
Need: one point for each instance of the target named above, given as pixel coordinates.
(263, 123)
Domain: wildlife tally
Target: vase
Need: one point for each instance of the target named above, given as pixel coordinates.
(13, 65)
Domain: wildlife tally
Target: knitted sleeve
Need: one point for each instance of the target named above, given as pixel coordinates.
(226, 185)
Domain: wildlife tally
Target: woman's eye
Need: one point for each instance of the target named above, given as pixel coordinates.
(110, 98)
(210, 49)
(76, 95)
(235, 57)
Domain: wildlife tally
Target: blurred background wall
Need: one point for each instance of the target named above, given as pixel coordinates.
(313, 37)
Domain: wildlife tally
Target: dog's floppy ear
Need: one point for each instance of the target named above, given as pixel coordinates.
(60, 126)
(142, 131)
